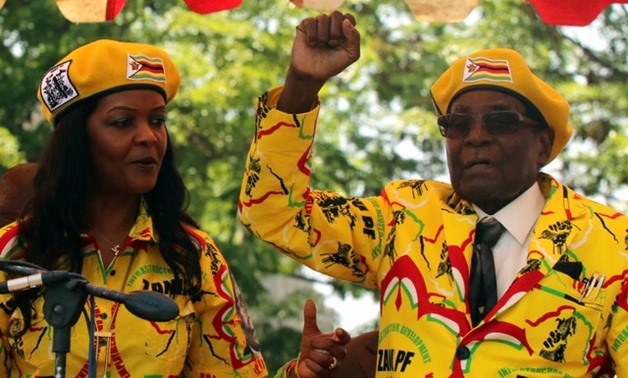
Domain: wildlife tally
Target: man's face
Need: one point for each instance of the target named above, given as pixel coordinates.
(488, 169)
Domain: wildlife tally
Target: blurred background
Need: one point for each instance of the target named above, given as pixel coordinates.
(376, 124)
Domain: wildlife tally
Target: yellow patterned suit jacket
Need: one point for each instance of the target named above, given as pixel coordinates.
(210, 338)
(414, 242)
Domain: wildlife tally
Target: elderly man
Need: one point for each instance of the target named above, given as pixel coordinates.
(505, 272)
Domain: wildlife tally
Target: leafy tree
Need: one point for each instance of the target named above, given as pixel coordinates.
(377, 121)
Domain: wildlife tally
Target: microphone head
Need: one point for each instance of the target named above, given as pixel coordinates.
(150, 305)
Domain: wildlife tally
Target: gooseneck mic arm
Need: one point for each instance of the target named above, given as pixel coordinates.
(65, 295)
(148, 305)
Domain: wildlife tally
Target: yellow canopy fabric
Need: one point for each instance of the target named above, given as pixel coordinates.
(327, 5)
(441, 10)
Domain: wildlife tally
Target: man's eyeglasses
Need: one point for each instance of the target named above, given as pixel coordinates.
(458, 125)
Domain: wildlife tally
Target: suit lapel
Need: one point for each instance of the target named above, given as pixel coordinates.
(459, 227)
(553, 232)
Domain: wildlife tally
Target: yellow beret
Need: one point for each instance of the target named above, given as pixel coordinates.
(505, 70)
(102, 67)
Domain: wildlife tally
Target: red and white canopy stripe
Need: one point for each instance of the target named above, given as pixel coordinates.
(555, 12)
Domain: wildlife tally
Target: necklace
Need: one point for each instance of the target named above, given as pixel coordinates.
(115, 247)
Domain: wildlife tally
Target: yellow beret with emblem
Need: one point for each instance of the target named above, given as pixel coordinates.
(106, 66)
(505, 70)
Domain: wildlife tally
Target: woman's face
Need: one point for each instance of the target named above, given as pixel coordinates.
(127, 141)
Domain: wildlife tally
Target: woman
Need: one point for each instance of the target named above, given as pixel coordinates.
(109, 204)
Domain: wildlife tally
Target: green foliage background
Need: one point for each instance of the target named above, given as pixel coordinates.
(377, 121)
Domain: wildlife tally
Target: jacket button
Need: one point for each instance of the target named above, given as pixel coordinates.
(463, 352)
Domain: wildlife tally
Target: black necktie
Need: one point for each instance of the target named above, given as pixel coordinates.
(483, 288)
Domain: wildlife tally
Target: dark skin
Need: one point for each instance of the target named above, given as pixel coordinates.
(323, 47)
(16, 189)
(487, 170)
(492, 170)
(319, 350)
(127, 136)
(127, 139)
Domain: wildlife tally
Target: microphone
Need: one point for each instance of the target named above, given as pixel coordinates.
(148, 305)
(151, 305)
(32, 281)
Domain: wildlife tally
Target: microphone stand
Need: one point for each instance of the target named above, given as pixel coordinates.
(64, 299)
(62, 308)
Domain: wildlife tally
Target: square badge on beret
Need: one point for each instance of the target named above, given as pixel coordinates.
(57, 88)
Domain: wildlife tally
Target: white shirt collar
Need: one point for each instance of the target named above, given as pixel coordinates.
(520, 215)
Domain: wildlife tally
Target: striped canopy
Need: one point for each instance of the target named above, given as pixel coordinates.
(555, 12)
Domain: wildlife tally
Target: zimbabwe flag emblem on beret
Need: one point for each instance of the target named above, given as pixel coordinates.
(478, 69)
(143, 67)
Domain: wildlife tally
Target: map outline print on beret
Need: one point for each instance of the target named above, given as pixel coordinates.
(57, 88)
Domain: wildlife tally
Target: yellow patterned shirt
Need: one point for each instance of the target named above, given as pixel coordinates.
(565, 314)
(210, 338)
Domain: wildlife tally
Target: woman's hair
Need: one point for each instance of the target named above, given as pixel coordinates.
(50, 235)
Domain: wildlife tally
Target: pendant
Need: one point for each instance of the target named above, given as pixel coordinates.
(115, 249)
(103, 339)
